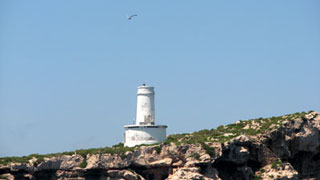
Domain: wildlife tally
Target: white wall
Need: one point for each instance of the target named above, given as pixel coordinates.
(136, 135)
(145, 106)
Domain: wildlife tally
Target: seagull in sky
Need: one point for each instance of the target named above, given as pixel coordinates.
(130, 17)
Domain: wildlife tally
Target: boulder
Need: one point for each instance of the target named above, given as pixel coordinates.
(63, 162)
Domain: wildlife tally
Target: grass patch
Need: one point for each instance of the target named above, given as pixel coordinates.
(195, 156)
(276, 164)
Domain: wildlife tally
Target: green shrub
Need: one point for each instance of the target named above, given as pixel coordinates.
(83, 163)
(195, 156)
(276, 164)
(209, 150)
(257, 177)
(220, 128)
(158, 149)
(120, 145)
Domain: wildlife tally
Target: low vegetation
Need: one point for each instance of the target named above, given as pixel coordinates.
(24, 159)
(83, 163)
(119, 149)
(209, 150)
(3, 177)
(158, 149)
(116, 149)
(276, 164)
(195, 156)
(222, 134)
(257, 177)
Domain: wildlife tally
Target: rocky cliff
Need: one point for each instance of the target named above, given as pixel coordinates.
(285, 147)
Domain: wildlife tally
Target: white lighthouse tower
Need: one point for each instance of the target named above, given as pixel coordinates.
(144, 131)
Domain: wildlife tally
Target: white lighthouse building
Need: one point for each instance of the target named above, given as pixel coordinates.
(144, 131)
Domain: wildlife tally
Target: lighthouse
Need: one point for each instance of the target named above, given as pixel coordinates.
(144, 131)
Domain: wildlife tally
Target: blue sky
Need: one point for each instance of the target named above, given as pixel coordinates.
(69, 69)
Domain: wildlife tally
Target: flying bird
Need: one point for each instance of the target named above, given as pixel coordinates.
(130, 17)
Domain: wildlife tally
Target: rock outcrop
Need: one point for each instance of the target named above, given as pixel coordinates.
(288, 149)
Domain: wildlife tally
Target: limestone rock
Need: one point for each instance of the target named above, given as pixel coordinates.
(65, 162)
(106, 161)
(70, 175)
(186, 173)
(166, 162)
(124, 174)
(21, 166)
(282, 172)
(193, 173)
(7, 176)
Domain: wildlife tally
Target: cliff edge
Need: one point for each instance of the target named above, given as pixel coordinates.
(283, 148)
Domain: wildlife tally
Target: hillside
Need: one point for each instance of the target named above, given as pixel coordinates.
(284, 147)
